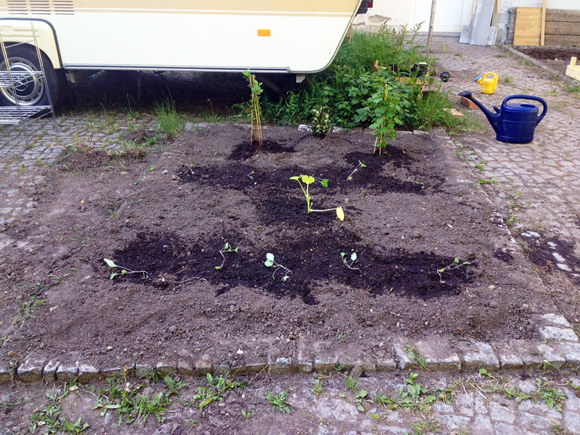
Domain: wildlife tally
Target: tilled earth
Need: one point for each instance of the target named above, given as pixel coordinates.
(166, 215)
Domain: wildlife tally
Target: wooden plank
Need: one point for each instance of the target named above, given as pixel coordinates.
(543, 24)
(563, 41)
(562, 28)
(482, 22)
(572, 70)
(528, 23)
(562, 15)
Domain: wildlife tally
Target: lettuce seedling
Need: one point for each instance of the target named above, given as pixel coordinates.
(226, 248)
(124, 270)
(271, 263)
(359, 166)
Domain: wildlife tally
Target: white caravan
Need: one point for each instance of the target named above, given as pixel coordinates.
(264, 36)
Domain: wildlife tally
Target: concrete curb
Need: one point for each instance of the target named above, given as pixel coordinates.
(435, 355)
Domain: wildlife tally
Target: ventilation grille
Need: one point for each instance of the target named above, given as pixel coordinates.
(40, 7)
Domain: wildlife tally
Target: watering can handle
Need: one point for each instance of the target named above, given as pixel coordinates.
(530, 97)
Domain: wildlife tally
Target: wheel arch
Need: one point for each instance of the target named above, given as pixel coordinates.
(17, 30)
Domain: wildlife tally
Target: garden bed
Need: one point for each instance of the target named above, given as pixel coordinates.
(558, 58)
(167, 215)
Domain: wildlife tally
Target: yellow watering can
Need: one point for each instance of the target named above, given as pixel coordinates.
(488, 82)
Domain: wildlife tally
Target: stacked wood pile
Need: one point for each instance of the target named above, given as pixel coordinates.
(561, 27)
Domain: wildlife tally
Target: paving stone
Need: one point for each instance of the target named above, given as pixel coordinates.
(49, 371)
(551, 355)
(443, 408)
(87, 373)
(528, 353)
(142, 370)
(438, 354)
(222, 369)
(203, 366)
(572, 421)
(185, 366)
(557, 319)
(507, 429)
(386, 365)
(67, 372)
(465, 403)
(5, 374)
(480, 355)
(535, 422)
(31, 370)
(572, 402)
(304, 357)
(481, 426)
(554, 333)
(166, 367)
(539, 409)
(453, 422)
(480, 405)
(500, 413)
(113, 372)
(571, 352)
(402, 357)
(279, 365)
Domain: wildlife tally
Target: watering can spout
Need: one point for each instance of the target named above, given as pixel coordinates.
(493, 118)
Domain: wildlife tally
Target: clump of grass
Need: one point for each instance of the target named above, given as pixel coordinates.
(169, 122)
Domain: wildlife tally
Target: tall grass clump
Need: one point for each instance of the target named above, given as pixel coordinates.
(357, 96)
(169, 122)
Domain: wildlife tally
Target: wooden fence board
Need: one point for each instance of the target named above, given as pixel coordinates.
(562, 15)
(563, 40)
(528, 26)
(562, 28)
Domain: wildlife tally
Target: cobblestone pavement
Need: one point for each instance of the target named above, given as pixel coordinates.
(537, 181)
(474, 405)
(546, 171)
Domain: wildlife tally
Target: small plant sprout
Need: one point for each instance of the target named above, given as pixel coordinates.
(455, 265)
(359, 166)
(124, 270)
(308, 180)
(227, 248)
(348, 263)
(321, 121)
(271, 263)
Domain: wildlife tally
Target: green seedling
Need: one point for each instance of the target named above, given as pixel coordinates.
(308, 180)
(360, 166)
(348, 263)
(251, 175)
(482, 167)
(227, 248)
(414, 355)
(247, 414)
(455, 265)
(351, 383)
(124, 270)
(271, 263)
(279, 402)
(359, 398)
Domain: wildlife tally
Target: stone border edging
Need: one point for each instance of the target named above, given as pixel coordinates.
(560, 350)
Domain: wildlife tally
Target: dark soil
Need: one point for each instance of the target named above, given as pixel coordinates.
(557, 58)
(167, 215)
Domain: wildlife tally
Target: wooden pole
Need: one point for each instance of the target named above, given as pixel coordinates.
(431, 25)
(543, 27)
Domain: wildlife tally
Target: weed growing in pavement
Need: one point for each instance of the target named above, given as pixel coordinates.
(271, 263)
(574, 89)
(130, 406)
(227, 248)
(169, 122)
(508, 80)
(321, 121)
(348, 263)
(255, 113)
(359, 166)
(351, 383)
(308, 180)
(215, 390)
(317, 386)
(50, 420)
(359, 399)
(414, 355)
(279, 402)
(484, 181)
(455, 265)
(124, 270)
(422, 427)
(481, 167)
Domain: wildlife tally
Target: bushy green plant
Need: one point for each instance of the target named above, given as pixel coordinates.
(321, 121)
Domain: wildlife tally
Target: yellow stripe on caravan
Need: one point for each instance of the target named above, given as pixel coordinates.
(220, 6)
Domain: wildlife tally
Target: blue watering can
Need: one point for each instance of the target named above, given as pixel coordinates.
(514, 123)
